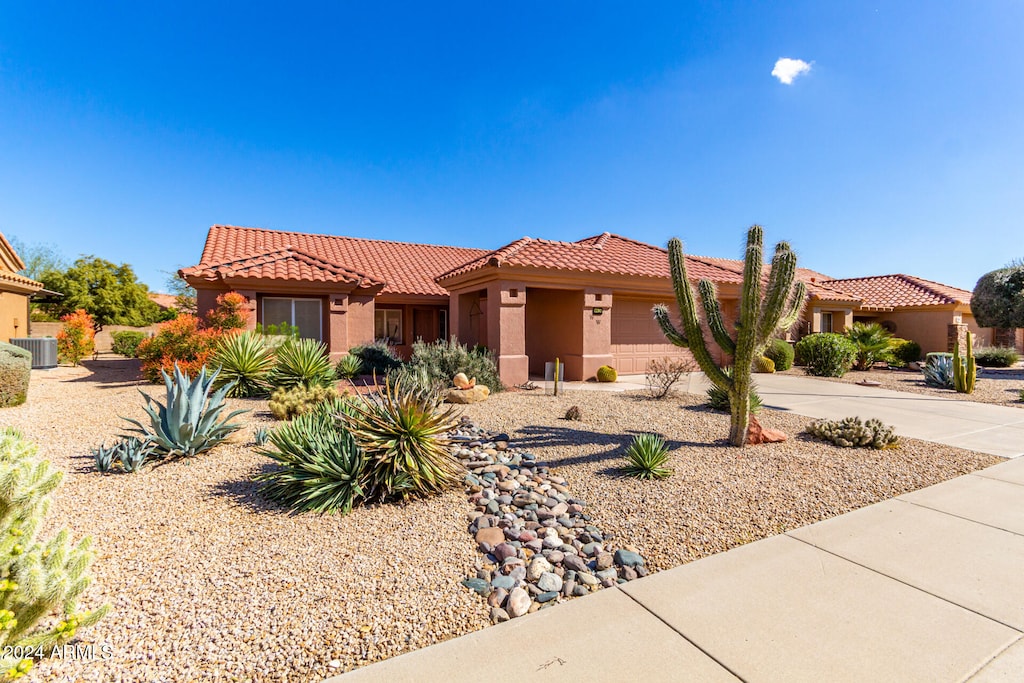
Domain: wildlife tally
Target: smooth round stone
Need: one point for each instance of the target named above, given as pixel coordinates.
(478, 586)
(518, 603)
(604, 560)
(591, 549)
(607, 574)
(493, 506)
(568, 587)
(569, 575)
(555, 556)
(526, 536)
(626, 558)
(518, 573)
(579, 591)
(559, 509)
(499, 615)
(629, 574)
(574, 562)
(504, 500)
(483, 574)
(552, 542)
(536, 545)
(497, 597)
(538, 566)
(587, 579)
(545, 597)
(549, 581)
(503, 551)
(505, 582)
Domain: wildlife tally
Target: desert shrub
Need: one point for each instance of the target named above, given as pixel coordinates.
(781, 352)
(405, 437)
(126, 342)
(764, 364)
(42, 579)
(872, 341)
(826, 354)
(420, 378)
(302, 362)
(245, 363)
(574, 414)
(229, 314)
(186, 424)
(180, 342)
(1020, 394)
(996, 357)
(15, 373)
(938, 371)
(662, 374)
(904, 351)
(128, 455)
(850, 432)
(378, 358)
(718, 398)
(647, 455)
(77, 338)
(443, 359)
(348, 367)
(286, 404)
(607, 373)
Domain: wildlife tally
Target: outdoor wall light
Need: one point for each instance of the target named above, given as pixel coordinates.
(598, 311)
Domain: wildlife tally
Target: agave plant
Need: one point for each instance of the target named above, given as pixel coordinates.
(647, 456)
(718, 398)
(404, 435)
(245, 361)
(349, 366)
(104, 457)
(261, 436)
(188, 423)
(133, 452)
(938, 371)
(302, 362)
(321, 464)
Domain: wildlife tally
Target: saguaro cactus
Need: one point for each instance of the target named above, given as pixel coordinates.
(965, 371)
(764, 309)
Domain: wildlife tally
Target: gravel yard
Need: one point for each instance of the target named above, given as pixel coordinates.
(209, 583)
(1000, 386)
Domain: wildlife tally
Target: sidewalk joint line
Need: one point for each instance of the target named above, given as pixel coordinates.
(713, 658)
(988, 661)
(956, 516)
(909, 585)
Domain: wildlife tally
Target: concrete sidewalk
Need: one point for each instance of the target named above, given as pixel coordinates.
(925, 587)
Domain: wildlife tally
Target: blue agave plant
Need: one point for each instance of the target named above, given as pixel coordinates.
(188, 423)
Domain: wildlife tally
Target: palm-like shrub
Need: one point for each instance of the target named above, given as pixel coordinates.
(348, 366)
(188, 423)
(245, 362)
(404, 435)
(872, 342)
(826, 354)
(647, 455)
(321, 464)
(302, 362)
(40, 578)
(781, 352)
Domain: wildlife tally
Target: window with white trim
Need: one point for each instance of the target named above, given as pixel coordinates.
(387, 325)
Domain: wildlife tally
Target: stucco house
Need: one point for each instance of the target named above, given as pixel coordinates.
(586, 302)
(15, 293)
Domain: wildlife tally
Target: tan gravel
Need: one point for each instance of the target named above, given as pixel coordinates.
(719, 497)
(1000, 386)
(209, 583)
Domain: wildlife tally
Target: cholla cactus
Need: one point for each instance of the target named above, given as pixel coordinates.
(765, 308)
(37, 578)
(288, 403)
(850, 432)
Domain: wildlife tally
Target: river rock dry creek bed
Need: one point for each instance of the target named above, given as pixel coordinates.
(209, 582)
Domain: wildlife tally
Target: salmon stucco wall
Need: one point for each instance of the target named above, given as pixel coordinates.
(13, 315)
(554, 329)
(930, 329)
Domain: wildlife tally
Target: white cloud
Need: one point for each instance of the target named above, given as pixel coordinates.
(787, 69)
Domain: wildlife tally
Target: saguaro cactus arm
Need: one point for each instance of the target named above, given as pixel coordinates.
(713, 315)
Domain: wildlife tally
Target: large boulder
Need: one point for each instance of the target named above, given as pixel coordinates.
(474, 395)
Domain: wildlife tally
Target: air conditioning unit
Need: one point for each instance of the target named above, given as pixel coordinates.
(43, 350)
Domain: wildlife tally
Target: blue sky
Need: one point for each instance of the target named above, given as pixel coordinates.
(127, 129)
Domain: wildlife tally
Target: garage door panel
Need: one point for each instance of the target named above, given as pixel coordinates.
(636, 338)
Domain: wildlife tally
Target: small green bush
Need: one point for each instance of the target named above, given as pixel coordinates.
(286, 404)
(420, 378)
(441, 360)
(607, 373)
(826, 354)
(348, 367)
(378, 358)
(647, 455)
(126, 342)
(850, 432)
(904, 351)
(996, 357)
(15, 372)
(302, 362)
(781, 352)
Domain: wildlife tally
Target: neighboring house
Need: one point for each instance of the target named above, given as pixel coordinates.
(165, 301)
(15, 293)
(587, 303)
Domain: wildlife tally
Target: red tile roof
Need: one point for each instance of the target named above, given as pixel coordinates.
(403, 267)
(605, 253)
(890, 291)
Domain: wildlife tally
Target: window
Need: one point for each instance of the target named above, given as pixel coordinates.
(305, 314)
(826, 322)
(442, 324)
(387, 325)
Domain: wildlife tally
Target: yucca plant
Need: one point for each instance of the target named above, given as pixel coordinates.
(188, 423)
(348, 366)
(404, 435)
(647, 455)
(302, 362)
(718, 398)
(245, 361)
(321, 464)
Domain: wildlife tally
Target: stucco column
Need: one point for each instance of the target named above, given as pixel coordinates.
(337, 325)
(597, 332)
(249, 307)
(506, 330)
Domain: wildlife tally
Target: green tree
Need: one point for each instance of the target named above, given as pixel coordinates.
(38, 258)
(184, 293)
(998, 298)
(110, 293)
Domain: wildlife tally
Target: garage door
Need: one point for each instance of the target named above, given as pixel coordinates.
(636, 337)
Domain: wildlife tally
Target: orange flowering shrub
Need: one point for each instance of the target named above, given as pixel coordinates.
(77, 339)
(181, 341)
(229, 314)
